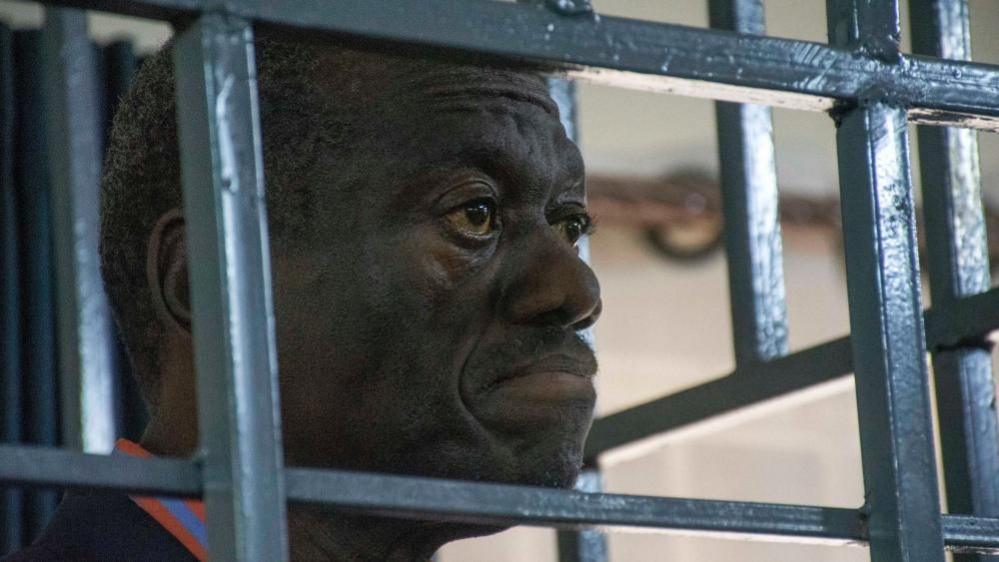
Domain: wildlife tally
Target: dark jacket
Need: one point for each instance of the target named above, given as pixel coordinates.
(102, 527)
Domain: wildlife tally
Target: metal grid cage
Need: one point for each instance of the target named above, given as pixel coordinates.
(871, 90)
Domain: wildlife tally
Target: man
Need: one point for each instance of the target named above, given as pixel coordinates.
(428, 292)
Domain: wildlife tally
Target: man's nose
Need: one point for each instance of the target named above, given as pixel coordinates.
(552, 287)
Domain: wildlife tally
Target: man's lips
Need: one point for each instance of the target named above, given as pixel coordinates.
(552, 392)
(551, 370)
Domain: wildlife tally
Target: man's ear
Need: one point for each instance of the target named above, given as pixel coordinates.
(166, 271)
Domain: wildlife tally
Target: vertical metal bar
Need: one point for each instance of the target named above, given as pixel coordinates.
(879, 32)
(887, 336)
(121, 65)
(233, 314)
(84, 321)
(886, 319)
(10, 323)
(40, 401)
(958, 262)
(585, 545)
(750, 204)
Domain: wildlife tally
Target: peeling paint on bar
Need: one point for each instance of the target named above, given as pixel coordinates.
(233, 314)
(753, 243)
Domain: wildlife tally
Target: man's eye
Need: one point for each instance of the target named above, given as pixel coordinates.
(475, 218)
(571, 229)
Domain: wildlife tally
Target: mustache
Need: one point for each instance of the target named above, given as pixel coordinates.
(514, 353)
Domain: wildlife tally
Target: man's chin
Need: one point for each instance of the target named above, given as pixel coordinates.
(560, 470)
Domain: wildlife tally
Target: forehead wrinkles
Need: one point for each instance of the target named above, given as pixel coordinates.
(466, 87)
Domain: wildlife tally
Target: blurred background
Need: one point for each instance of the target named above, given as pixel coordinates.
(666, 322)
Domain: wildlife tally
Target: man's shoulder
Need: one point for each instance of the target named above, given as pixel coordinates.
(102, 527)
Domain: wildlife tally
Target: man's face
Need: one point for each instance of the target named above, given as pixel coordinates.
(430, 323)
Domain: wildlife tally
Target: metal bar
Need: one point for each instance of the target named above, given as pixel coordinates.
(494, 504)
(84, 320)
(878, 29)
(41, 412)
(233, 314)
(958, 263)
(887, 335)
(584, 545)
(121, 64)
(423, 498)
(635, 54)
(750, 207)
(10, 280)
(971, 534)
(60, 468)
(740, 389)
(883, 286)
(962, 320)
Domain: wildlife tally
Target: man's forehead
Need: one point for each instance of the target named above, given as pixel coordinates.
(384, 82)
(457, 89)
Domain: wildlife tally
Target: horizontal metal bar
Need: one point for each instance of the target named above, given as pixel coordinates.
(631, 53)
(963, 533)
(61, 468)
(963, 319)
(745, 387)
(497, 504)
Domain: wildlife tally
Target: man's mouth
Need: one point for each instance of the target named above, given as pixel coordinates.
(554, 391)
(551, 378)
(535, 381)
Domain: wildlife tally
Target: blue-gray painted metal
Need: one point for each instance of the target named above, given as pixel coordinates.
(886, 320)
(958, 262)
(86, 344)
(233, 315)
(495, 504)
(38, 372)
(426, 498)
(586, 545)
(971, 534)
(750, 205)
(963, 320)
(632, 53)
(878, 29)
(887, 336)
(62, 468)
(10, 305)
